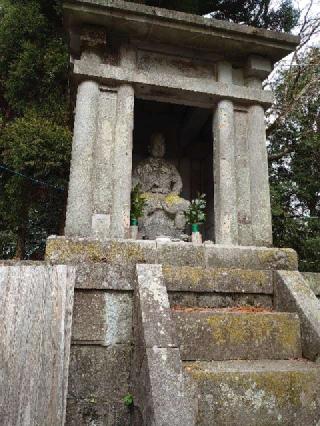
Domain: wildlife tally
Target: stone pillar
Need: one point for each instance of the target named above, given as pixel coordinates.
(103, 163)
(257, 70)
(122, 163)
(122, 157)
(225, 194)
(80, 194)
(243, 177)
(79, 207)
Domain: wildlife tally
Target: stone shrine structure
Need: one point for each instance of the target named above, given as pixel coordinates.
(163, 333)
(123, 53)
(161, 185)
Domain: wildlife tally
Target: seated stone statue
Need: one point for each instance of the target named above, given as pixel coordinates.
(161, 185)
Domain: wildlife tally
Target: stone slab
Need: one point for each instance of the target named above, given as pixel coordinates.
(257, 258)
(157, 374)
(180, 254)
(102, 317)
(124, 253)
(102, 276)
(220, 280)
(293, 294)
(90, 412)
(228, 335)
(176, 28)
(251, 393)
(99, 373)
(127, 253)
(36, 303)
(157, 327)
(167, 386)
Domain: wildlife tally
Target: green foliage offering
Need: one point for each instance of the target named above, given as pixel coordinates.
(128, 400)
(138, 203)
(196, 211)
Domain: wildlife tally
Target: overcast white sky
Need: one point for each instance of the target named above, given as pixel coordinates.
(303, 5)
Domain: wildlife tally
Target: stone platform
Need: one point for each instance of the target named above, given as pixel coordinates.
(160, 316)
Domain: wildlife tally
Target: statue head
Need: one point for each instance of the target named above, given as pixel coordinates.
(157, 146)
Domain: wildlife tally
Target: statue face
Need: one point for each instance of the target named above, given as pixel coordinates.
(158, 146)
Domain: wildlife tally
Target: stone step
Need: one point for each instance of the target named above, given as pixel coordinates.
(255, 393)
(218, 287)
(221, 335)
(217, 280)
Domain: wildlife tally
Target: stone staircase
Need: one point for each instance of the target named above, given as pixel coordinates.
(245, 363)
(198, 335)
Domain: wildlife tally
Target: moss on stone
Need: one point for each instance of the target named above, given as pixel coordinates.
(113, 252)
(283, 387)
(278, 258)
(238, 329)
(172, 199)
(64, 250)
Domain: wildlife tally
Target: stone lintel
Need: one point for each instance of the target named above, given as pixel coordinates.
(166, 26)
(192, 91)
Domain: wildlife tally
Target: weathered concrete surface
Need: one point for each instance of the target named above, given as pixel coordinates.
(103, 318)
(35, 328)
(90, 412)
(180, 254)
(258, 66)
(313, 279)
(220, 280)
(263, 393)
(293, 294)
(124, 253)
(176, 28)
(99, 374)
(158, 380)
(250, 258)
(228, 335)
(157, 327)
(219, 300)
(80, 193)
(104, 276)
(127, 253)
(178, 89)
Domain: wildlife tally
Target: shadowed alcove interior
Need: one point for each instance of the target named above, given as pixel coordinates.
(189, 146)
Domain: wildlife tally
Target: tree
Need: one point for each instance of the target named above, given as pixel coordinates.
(294, 148)
(35, 121)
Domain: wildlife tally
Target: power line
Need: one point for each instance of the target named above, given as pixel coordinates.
(36, 181)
